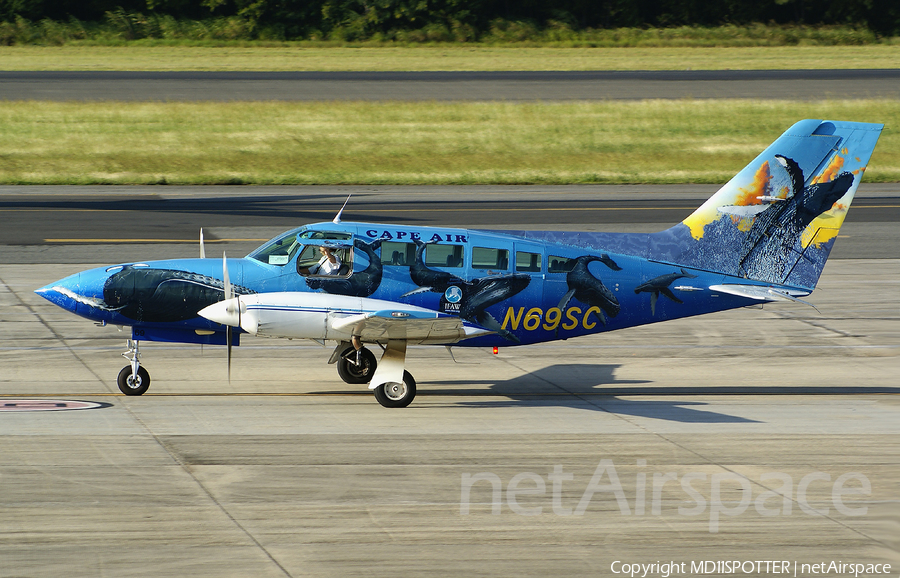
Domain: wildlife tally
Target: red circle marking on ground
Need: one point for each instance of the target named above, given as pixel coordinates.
(47, 405)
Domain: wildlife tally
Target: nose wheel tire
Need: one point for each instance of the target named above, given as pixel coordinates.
(133, 385)
(353, 372)
(397, 394)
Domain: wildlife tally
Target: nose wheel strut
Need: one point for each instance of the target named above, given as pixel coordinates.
(133, 379)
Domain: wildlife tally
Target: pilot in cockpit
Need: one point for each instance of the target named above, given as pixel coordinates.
(329, 264)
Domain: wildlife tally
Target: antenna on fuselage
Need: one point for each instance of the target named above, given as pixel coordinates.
(337, 218)
(202, 249)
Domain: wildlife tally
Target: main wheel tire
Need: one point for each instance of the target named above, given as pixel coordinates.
(130, 385)
(397, 394)
(350, 372)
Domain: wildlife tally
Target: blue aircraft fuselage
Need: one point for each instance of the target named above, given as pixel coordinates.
(764, 236)
(525, 287)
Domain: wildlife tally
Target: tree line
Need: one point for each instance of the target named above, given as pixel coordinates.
(451, 20)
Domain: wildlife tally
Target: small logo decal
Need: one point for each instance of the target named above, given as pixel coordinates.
(453, 294)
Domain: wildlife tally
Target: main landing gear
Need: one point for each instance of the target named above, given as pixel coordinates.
(397, 394)
(133, 379)
(356, 365)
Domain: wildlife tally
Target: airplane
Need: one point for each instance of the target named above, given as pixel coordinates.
(763, 237)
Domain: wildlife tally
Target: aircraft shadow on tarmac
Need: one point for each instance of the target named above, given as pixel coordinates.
(596, 388)
(577, 386)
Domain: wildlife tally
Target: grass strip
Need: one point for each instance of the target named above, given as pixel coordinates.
(306, 57)
(654, 141)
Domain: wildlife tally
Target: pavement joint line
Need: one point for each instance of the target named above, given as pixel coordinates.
(52, 331)
(156, 438)
(159, 347)
(814, 323)
(616, 393)
(706, 459)
(187, 470)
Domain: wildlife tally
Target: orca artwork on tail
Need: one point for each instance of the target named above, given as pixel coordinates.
(764, 236)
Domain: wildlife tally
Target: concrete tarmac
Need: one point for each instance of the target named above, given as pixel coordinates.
(752, 435)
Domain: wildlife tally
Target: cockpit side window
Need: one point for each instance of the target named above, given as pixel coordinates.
(314, 262)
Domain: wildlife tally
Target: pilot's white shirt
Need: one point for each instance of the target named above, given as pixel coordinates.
(326, 267)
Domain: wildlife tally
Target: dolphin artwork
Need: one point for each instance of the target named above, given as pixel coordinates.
(660, 285)
(360, 284)
(474, 296)
(590, 290)
(160, 295)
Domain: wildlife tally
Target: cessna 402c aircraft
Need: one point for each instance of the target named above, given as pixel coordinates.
(764, 236)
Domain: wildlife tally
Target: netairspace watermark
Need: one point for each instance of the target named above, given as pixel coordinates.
(774, 502)
(755, 567)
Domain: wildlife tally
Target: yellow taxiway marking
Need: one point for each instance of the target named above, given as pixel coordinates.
(538, 209)
(149, 240)
(455, 210)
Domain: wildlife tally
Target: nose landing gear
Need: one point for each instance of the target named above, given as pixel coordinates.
(133, 379)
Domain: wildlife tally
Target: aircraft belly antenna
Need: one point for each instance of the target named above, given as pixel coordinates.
(337, 218)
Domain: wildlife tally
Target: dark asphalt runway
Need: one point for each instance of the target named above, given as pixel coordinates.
(535, 85)
(85, 218)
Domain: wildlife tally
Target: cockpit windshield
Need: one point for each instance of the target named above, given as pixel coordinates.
(279, 250)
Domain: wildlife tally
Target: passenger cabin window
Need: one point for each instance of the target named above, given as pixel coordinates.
(530, 262)
(313, 258)
(560, 264)
(444, 255)
(486, 258)
(399, 254)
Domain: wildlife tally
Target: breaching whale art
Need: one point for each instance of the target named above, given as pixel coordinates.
(475, 296)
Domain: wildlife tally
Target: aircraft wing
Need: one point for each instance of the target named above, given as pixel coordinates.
(405, 324)
(337, 317)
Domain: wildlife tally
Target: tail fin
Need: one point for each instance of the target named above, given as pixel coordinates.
(777, 219)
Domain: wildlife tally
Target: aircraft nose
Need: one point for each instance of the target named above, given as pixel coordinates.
(78, 293)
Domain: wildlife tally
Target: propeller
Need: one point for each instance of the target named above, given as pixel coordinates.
(233, 306)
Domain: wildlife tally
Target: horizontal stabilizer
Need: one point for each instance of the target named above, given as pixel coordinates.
(760, 293)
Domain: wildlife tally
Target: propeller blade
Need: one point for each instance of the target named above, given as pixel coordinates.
(202, 248)
(229, 294)
(229, 291)
(228, 338)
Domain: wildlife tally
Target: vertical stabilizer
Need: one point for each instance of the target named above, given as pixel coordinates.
(777, 219)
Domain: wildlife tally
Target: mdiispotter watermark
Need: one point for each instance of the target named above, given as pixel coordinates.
(744, 567)
(705, 491)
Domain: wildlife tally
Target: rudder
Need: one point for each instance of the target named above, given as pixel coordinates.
(777, 219)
